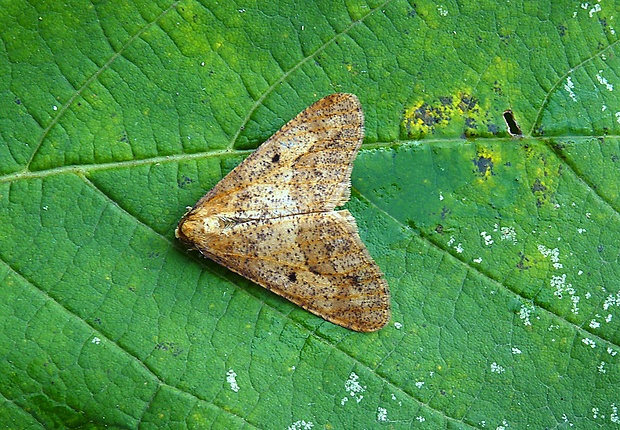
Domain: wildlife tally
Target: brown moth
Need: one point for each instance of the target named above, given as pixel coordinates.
(272, 219)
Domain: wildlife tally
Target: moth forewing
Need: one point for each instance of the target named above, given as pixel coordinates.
(272, 219)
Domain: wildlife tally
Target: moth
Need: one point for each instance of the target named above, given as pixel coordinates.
(272, 219)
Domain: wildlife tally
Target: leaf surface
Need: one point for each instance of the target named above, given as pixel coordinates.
(501, 253)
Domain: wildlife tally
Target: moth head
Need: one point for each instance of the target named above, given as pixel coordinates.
(196, 227)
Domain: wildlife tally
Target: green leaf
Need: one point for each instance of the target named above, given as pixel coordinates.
(502, 253)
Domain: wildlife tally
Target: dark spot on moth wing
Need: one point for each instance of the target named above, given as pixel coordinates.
(275, 158)
(314, 269)
(292, 277)
(355, 279)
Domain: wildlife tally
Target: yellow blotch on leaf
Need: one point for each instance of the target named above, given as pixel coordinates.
(459, 115)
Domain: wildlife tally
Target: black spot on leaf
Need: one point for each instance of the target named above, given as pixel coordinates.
(484, 165)
(538, 186)
(511, 124)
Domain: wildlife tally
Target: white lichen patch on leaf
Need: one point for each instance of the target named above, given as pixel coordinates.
(353, 387)
(509, 233)
(603, 81)
(589, 342)
(231, 378)
(575, 304)
(496, 368)
(614, 414)
(301, 425)
(569, 86)
(382, 414)
(596, 8)
(458, 247)
(506, 233)
(612, 300)
(566, 420)
(552, 254)
(558, 282)
(524, 313)
(488, 239)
